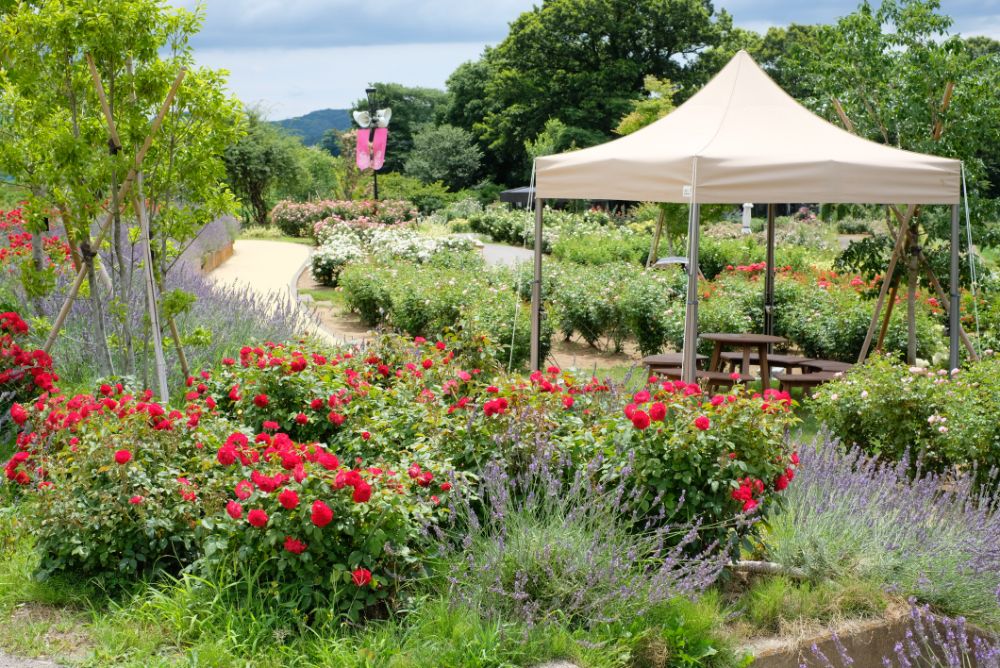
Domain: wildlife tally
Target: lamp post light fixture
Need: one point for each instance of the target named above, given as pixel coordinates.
(372, 137)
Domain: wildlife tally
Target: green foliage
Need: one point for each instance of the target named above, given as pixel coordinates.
(445, 154)
(427, 197)
(580, 61)
(557, 137)
(258, 162)
(428, 300)
(85, 524)
(55, 134)
(774, 604)
(889, 409)
(645, 111)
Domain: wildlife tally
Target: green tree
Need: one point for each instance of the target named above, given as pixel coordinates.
(412, 108)
(444, 153)
(557, 137)
(54, 137)
(583, 62)
(262, 160)
(650, 109)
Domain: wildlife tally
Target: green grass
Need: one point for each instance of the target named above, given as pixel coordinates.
(774, 604)
(332, 295)
(194, 622)
(272, 234)
(10, 196)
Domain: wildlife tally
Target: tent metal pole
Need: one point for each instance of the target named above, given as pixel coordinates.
(689, 368)
(954, 315)
(769, 275)
(536, 293)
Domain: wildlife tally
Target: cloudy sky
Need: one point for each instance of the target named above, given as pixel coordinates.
(295, 56)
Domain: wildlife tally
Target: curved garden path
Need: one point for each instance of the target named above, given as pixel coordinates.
(269, 268)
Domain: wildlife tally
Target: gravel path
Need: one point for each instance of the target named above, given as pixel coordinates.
(270, 268)
(499, 254)
(7, 661)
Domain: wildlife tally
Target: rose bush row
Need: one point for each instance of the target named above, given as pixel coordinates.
(323, 472)
(299, 219)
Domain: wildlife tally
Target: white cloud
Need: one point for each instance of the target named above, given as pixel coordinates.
(288, 82)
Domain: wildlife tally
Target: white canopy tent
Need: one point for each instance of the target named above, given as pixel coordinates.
(741, 138)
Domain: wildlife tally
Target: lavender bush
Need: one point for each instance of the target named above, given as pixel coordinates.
(853, 516)
(930, 640)
(552, 545)
(221, 320)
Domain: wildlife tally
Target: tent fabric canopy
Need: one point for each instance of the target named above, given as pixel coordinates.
(741, 138)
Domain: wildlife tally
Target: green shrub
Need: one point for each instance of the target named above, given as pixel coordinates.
(123, 497)
(600, 249)
(889, 409)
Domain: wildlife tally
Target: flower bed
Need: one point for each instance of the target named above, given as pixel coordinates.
(302, 219)
(320, 473)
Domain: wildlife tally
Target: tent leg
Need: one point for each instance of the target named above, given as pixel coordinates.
(954, 314)
(688, 370)
(769, 275)
(536, 293)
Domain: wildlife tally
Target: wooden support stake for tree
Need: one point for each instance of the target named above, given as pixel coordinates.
(151, 292)
(654, 248)
(888, 315)
(180, 347)
(122, 193)
(883, 291)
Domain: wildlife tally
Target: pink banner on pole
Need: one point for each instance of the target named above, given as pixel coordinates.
(364, 151)
(378, 145)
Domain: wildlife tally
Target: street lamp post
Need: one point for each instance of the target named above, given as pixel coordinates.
(373, 136)
(370, 92)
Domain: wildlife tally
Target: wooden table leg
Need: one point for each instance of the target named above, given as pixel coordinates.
(745, 367)
(716, 356)
(765, 367)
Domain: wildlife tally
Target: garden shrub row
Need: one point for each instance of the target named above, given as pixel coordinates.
(299, 219)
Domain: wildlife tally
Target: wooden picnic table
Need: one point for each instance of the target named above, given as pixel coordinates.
(747, 343)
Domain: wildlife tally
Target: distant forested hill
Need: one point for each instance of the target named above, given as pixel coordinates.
(312, 126)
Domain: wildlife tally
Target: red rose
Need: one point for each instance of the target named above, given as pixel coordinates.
(257, 518)
(316, 404)
(440, 345)
(781, 483)
(365, 435)
(328, 461)
(445, 486)
(657, 412)
(336, 418)
(749, 505)
(427, 364)
(301, 418)
(234, 509)
(136, 500)
(294, 546)
(123, 457)
(640, 420)
(321, 514)
(19, 415)
(795, 458)
(226, 456)
(261, 401)
(568, 401)
(244, 489)
(702, 422)
(362, 492)
(361, 577)
(288, 499)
